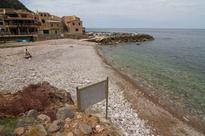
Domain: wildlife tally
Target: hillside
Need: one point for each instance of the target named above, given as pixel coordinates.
(16, 4)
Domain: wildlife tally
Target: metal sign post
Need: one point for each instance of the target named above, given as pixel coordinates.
(106, 110)
(92, 94)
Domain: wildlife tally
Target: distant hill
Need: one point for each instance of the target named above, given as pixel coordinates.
(16, 4)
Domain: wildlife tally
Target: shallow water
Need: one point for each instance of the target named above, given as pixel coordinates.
(173, 64)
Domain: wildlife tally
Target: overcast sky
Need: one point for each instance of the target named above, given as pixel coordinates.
(128, 13)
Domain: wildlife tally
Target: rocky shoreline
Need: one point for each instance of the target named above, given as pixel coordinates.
(44, 110)
(109, 38)
(67, 64)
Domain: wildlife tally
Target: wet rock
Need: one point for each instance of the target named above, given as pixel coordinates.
(55, 126)
(19, 131)
(32, 113)
(64, 113)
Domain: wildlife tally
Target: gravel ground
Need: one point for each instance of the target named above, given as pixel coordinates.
(67, 64)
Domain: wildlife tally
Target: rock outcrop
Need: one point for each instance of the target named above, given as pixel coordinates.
(25, 113)
(115, 38)
(41, 97)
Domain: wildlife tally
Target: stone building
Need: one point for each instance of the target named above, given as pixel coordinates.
(22, 24)
(49, 24)
(73, 25)
(17, 22)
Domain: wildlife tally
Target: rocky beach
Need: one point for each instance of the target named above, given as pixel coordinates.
(67, 64)
(110, 38)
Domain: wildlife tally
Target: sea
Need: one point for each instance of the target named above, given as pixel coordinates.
(172, 65)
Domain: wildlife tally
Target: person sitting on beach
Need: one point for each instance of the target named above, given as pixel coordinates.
(27, 55)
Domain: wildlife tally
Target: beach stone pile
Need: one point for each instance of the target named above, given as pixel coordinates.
(42, 97)
(47, 111)
(108, 38)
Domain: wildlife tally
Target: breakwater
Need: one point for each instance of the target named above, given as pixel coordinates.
(110, 38)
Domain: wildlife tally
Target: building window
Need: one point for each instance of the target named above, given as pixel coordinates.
(73, 23)
(79, 24)
(45, 31)
(23, 15)
(76, 29)
(43, 21)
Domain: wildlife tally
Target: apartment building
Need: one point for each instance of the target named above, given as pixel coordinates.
(49, 24)
(73, 25)
(17, 22)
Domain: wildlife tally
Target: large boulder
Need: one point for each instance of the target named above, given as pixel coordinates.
(42, 97)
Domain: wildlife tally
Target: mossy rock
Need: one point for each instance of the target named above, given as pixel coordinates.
(7, 126)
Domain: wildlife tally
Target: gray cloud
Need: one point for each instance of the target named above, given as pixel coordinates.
(125, 13)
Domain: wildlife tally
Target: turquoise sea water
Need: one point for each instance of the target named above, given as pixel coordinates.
(173, 65)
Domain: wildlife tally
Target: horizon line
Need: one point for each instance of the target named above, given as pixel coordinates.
(138, 28)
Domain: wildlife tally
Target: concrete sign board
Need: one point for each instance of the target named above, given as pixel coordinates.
(92, 94)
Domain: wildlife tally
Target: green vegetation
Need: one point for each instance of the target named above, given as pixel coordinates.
(8, 125)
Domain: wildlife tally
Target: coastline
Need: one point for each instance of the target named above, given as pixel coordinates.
(175, 114)
(59, 62)
(68, 64)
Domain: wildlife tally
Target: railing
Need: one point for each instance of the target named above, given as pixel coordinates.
(17, 25)
(18, 18)
(21, 33)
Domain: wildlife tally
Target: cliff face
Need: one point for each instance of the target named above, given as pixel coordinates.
(15, 4)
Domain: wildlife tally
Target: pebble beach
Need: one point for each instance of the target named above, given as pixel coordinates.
(68, 64)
